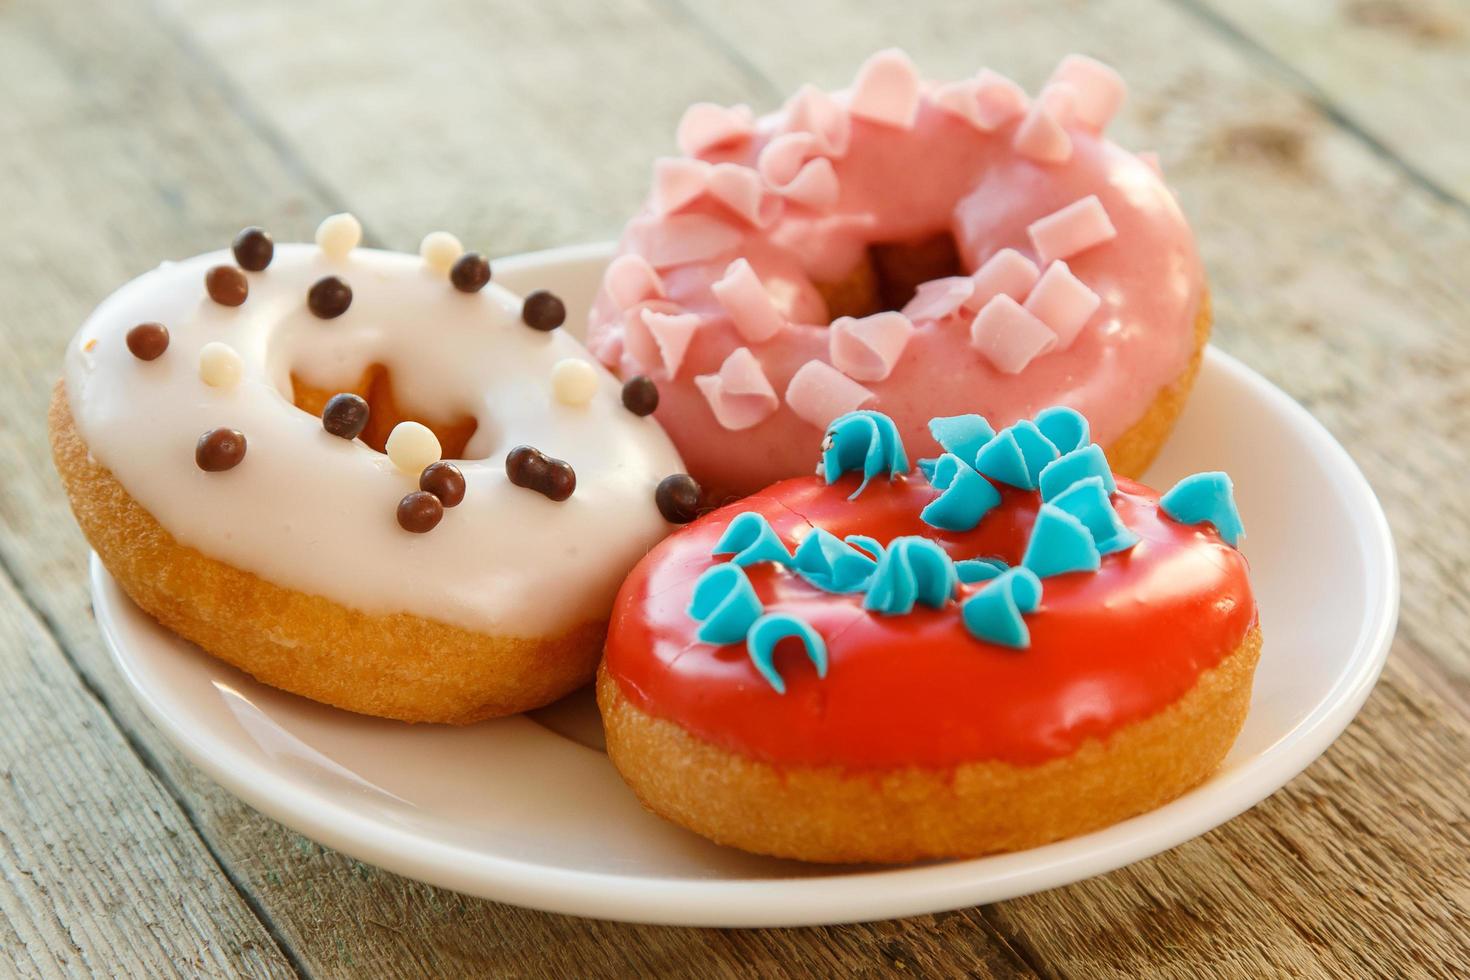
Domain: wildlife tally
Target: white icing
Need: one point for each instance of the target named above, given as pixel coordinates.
(316, 513)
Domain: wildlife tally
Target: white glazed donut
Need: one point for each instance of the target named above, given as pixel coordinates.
(297, 562)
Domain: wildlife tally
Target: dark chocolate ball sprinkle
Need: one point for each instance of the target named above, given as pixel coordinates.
(677, 497)
(534, 470)
(470, 272)
(226, 285)
(345, 415)
(640, 395)
(543, 310)
(419, 512)
(253, 248)
(329, 297)
(219, 449)
(148, 340)
(444, 480)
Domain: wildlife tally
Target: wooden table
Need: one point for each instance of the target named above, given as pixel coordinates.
(1320, 151)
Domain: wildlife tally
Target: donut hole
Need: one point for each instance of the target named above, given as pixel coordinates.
(376, 387)
(890, 273)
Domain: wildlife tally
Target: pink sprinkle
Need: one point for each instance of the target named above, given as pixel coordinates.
(788, 166)
(1099, 90)
(706, 126)
(818, 393)
(1075, 228)
(1006, 273)
(1063, 302)
(868, 348)
(630, 280)
(683, 238)
(1041, 136)
(740, 395)
(1151, 160)
(813, 111)
(672, 332)
(638, 341)
(997, 99)
(739, 188)
(751, 308)
(938, 298)
(815, 185)
(886, 90)
(676, 182)
(1009, 336)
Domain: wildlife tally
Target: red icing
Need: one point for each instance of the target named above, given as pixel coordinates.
(1107, 649)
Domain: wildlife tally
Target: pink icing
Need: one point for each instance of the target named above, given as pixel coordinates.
(706, 126)
(1075, 228)
(1010, 335)
(1062, 302)
(739, 394)
(818, 393)
(946, 173)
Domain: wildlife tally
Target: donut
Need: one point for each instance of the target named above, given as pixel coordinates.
(916, 248)
(374, 479)
(1003, 646)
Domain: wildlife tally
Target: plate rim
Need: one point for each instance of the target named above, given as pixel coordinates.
(804, 901)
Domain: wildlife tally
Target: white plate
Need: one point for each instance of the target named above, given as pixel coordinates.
(527, 810)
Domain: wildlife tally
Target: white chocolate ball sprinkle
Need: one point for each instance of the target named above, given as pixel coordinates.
(338, 235)
(573, 381)
(412, 446)
(219, 365)
(440, 250)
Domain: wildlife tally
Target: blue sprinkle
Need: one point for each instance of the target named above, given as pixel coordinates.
(1087, 500)
(1066, 428)
(750, 538)
(994, 613)
(1001, 460)
(1076, 465)
(965, 498)
(863, 440)
(831, 564)
(962, 435)
(1036, 449)
(870, 545)
(1206, 497)
(770, 630)
(972, 570)
(1060, 543)
(926, 467)
(725, 603)
(913, 569)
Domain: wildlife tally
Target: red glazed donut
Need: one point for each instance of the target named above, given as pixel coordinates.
(879, 728)
(916, 248)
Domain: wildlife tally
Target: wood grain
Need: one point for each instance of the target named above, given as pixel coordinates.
(152, 131)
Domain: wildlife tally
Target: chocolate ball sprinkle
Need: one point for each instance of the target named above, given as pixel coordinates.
(329, 297)
(219, 449)
(543, 310)
(470, 272)
(226, 285)
(148, 340)
(677, 497)
(444, 480)
(640, 395)
(254, 248)
(420, 512)
(534, 470)
(345, 415)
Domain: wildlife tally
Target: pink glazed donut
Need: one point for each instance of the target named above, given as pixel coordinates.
(917, 248)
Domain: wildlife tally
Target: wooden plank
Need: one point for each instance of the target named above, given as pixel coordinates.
(100, 872)
(1394, 69)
